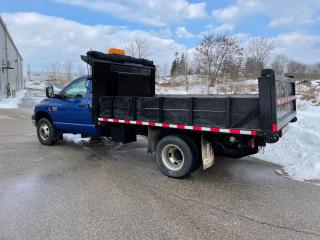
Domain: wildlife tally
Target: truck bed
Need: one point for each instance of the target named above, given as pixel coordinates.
(124, 92)
(240, 112)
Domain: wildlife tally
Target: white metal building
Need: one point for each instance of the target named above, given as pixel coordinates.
(11, 72)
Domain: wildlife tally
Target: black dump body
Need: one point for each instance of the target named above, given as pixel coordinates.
(221, 112)
(124, 88)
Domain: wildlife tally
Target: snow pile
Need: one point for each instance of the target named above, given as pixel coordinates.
(178, 85)
(37, 85)
(298, 151)
(197, 84)
(8, 103)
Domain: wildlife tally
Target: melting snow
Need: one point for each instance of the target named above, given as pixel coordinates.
(298, 151)
(8, 103)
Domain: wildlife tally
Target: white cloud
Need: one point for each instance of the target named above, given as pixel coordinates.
(182, 32)
(284, 13)
(299, 46)
(240, 9)
(163, 33)
(154, 13)
(291, 21)
(44, 39)
(227, 27)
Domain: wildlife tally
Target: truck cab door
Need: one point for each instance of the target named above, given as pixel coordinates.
(74, 113)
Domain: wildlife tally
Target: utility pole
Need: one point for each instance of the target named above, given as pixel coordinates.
(29, 73)
(6, 51)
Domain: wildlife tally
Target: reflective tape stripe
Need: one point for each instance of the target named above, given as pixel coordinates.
(180, 126)
(284, 100)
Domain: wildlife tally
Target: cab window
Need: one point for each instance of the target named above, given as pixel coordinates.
(77, 89)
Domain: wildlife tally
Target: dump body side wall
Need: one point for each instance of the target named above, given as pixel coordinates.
(206, 112)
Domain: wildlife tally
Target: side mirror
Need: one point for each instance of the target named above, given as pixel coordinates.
(49, 92)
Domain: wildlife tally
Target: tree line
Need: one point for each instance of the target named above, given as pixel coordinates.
(221, 57)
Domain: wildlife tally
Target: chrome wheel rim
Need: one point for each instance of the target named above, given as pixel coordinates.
(44, 131)
(172, 157)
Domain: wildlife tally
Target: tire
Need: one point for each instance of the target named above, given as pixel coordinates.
(47, 135)
(196, 153)
(175, 156)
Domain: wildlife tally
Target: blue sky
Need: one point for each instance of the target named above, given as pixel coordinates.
(60, 30)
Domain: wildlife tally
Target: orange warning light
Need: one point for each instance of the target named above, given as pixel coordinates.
(117, 51)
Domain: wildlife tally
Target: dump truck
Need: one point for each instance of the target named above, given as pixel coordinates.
(117, 100)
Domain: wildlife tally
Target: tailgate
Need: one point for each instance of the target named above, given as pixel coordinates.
(285, 101)
(277, 101)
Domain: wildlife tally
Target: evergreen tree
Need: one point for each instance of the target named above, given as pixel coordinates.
(181, 65)
(174, 66)
(173, 70)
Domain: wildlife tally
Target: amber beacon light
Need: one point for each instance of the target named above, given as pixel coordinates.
(116, 51)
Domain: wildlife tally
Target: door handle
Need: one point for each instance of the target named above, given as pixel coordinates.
(83, 105)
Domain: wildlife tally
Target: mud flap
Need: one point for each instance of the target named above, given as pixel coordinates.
(206, 153)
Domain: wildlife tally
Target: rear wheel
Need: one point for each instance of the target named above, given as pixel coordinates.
(47, 135)
(195, 151)
(176, 156)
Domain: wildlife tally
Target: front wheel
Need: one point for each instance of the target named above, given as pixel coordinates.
(175, 156)
(47, 135)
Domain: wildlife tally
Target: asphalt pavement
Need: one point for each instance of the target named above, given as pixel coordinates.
(103, 190)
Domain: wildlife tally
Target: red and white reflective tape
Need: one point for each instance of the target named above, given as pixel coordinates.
(284, 100)
(168, 125)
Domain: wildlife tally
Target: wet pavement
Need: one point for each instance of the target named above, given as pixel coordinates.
(103, 190)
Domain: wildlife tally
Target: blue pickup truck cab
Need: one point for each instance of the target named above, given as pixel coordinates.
(69, 111)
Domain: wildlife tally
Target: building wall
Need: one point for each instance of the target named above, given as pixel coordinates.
(9, 58)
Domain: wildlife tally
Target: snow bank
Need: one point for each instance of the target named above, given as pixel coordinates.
(8, 103)
(36, 85)
(197, 84)
(298, 151)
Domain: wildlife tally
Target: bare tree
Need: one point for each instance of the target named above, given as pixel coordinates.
(297, 69)
(235, 69)
(279, 64)
(315, 71)
(165, 69)
(258, 51)
(68, 69)
(185, 68)
(140, 47)
(215, 53)
(54, 71)
(81, 70)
